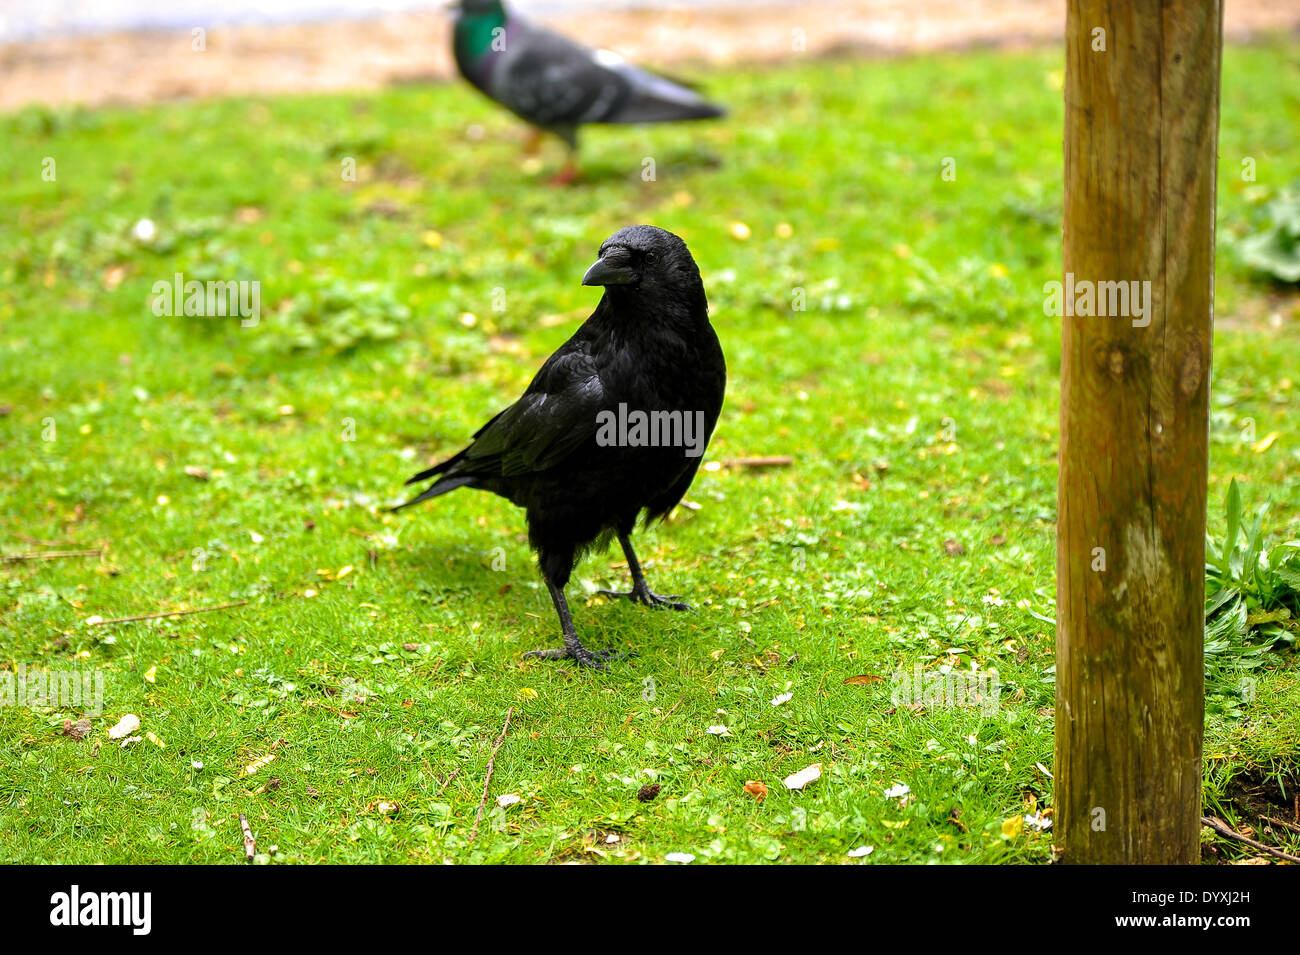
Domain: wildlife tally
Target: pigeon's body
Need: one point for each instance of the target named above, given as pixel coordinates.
(647, 348)
(557, 84)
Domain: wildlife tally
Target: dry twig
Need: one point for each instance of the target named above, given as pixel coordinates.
(1223, 829)
(250, 844)
(170, 613)
(50, 555)
(492, 761)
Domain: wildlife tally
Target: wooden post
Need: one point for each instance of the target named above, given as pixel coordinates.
(1141, 131)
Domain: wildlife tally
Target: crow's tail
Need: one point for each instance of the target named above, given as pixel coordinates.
(440, 487)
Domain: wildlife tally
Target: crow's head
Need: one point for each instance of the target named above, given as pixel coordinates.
(645, 262)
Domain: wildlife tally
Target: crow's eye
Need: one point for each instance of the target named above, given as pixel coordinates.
(650, 257)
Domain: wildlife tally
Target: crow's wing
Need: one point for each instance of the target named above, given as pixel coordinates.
(554, 82)
(555, 416)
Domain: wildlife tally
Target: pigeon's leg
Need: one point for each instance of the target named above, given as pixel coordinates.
(573, 647)
(570, 173)
(641, 592)
(533, 144)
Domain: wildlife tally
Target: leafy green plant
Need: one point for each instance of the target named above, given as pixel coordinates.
(1275, 248)
(1252, 598)
(336, 317)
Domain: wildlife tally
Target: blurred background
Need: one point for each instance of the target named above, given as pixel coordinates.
(124, 51)
(877, 219)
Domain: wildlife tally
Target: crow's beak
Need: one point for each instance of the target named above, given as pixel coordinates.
(611, 269)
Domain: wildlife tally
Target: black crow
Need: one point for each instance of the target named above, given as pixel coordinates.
(613, 425)
(558, 85)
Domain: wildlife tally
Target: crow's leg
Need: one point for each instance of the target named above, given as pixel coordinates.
(572, 645)
(641, 592)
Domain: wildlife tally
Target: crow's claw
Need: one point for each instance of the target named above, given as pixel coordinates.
(596, 659)
(648, 597)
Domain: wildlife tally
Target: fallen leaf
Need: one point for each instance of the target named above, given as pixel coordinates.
(1259, 447)
(257, 764)
(862, 679)
(125, 726)
(805, 776)
(756, 789)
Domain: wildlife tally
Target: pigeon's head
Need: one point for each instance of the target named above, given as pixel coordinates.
(475, 8)
(646, 262)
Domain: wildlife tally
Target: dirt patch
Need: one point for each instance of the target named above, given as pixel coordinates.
(1266, 808)
(414, 47)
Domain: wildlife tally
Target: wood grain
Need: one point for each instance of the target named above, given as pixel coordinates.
(1141, 129)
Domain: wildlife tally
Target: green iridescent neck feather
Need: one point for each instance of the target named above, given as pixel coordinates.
(476, 31)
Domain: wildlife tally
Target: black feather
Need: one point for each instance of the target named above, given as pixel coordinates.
(648, 348)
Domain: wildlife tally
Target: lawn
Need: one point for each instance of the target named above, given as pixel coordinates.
(883, 326)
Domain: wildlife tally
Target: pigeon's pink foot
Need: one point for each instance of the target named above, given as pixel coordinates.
(533, 144)
(568, 175)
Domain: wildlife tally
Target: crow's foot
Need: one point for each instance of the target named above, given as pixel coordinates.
(596, 659)
(644, 595)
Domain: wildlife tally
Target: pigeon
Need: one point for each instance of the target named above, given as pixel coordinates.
(612, 427)
(558, 85)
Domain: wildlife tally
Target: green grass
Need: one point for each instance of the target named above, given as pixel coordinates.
(917, 394)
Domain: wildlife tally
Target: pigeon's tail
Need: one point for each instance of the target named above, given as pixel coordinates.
(440, 487)
(657, 99)
(647, 108)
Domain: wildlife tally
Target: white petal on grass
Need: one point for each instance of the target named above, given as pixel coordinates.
(805, 776)
(897, 792)
(509, 799)
(861, 851)
(685, 858)
(125, 726)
